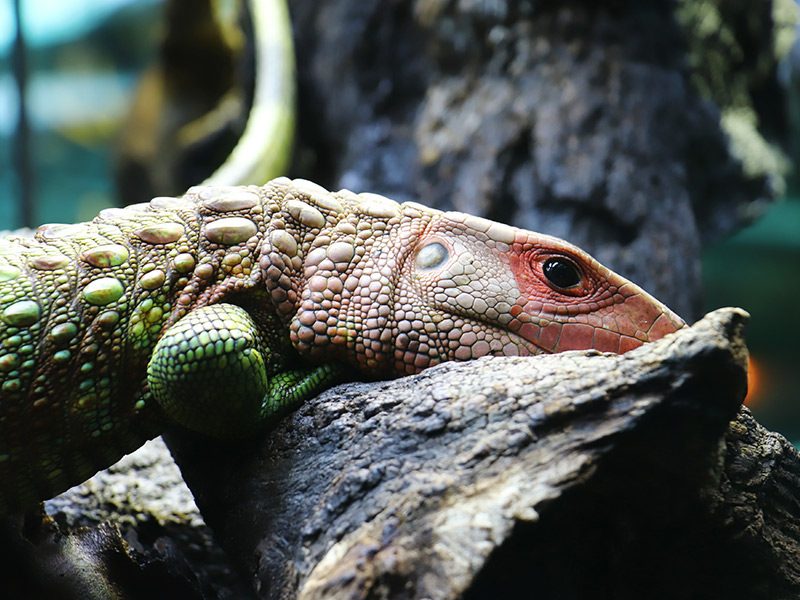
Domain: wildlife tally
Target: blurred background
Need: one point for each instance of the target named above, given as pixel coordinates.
(78, 61)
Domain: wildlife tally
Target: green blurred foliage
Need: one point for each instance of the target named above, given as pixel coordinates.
(759, 270)
(78, 91)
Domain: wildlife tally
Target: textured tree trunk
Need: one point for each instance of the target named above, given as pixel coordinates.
(567, 476)
(564, 476)
(599, 122)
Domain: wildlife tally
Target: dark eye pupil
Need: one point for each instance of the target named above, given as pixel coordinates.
(561, 272)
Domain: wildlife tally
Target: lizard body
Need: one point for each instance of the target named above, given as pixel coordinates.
(222, 308)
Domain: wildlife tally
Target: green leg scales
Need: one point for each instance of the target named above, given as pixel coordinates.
(213, 372)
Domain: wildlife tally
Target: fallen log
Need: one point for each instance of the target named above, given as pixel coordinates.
(564, 476)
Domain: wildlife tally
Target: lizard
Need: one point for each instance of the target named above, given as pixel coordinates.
(221, 309)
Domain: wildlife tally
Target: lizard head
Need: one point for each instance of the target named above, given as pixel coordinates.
(497, 289)
(434, 286)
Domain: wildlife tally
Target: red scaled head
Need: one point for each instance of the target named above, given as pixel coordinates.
(435, 286)
(569, 301)
(473, 287)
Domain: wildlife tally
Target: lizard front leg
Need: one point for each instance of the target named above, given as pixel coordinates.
(212, 372)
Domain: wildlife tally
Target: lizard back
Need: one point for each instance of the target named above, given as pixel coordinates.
(81, 307)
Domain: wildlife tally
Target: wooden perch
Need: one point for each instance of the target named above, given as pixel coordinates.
(576, 475)
(566, 476)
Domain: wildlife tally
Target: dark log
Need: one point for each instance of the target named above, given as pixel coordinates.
(565, 476)
(132, 531)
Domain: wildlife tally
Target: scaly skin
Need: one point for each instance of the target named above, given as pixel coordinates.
(225, 307)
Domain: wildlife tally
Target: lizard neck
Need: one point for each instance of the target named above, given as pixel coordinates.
(330, 263)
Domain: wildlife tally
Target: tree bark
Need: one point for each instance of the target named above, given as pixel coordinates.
(637, 130)
(598, 122)
(564, 476)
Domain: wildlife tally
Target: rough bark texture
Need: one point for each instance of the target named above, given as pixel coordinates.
(131, 531)
(565, 476)
(584, 120)
(571, 476)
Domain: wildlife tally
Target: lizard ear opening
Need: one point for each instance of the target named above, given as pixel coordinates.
(432, 256)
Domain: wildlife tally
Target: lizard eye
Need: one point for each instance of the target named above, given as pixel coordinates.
(561, 273)
(431, 256)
